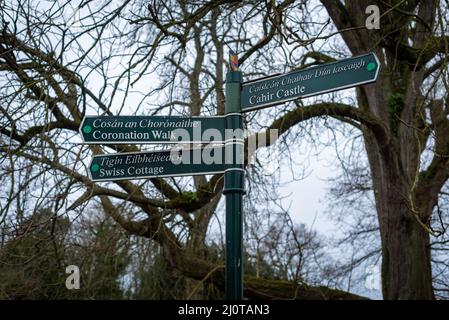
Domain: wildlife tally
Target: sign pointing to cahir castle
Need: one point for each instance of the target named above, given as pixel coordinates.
(269, 91)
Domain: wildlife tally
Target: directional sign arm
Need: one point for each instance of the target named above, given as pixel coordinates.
(321, 79)
(158, 164)
(151, 129)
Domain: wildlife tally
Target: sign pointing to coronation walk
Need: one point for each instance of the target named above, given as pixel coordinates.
(269, 91)
(151, 129)
(165, 163)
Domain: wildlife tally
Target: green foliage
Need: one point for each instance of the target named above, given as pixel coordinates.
(112, 265)
(190, 196)
(395, 107)
(31, 265)
(34, 259)
(154, 279)
(261, 268)
(103, 260)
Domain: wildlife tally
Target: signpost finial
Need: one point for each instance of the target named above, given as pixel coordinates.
(233, 61)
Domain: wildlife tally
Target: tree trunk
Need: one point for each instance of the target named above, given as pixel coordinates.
(255, 288)
(406, 268)
(404, 200)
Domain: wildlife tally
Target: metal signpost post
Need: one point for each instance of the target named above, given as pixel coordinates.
(234, 190)
(227, 158)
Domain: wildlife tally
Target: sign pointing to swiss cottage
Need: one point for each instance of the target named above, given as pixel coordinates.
(329, 77)
(164, 163)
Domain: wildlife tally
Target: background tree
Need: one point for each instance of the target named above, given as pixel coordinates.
(101, 250)
(57, 68)
(411, 124)
(35, 253)
(35, 247)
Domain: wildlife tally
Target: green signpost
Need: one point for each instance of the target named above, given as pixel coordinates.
(151, 129)
(225, 158)
(273, 90)
(152, 164)
(233, 191)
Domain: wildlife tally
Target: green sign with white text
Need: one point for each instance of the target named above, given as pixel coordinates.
(166, 163)
(269, 91)
(151, 129)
